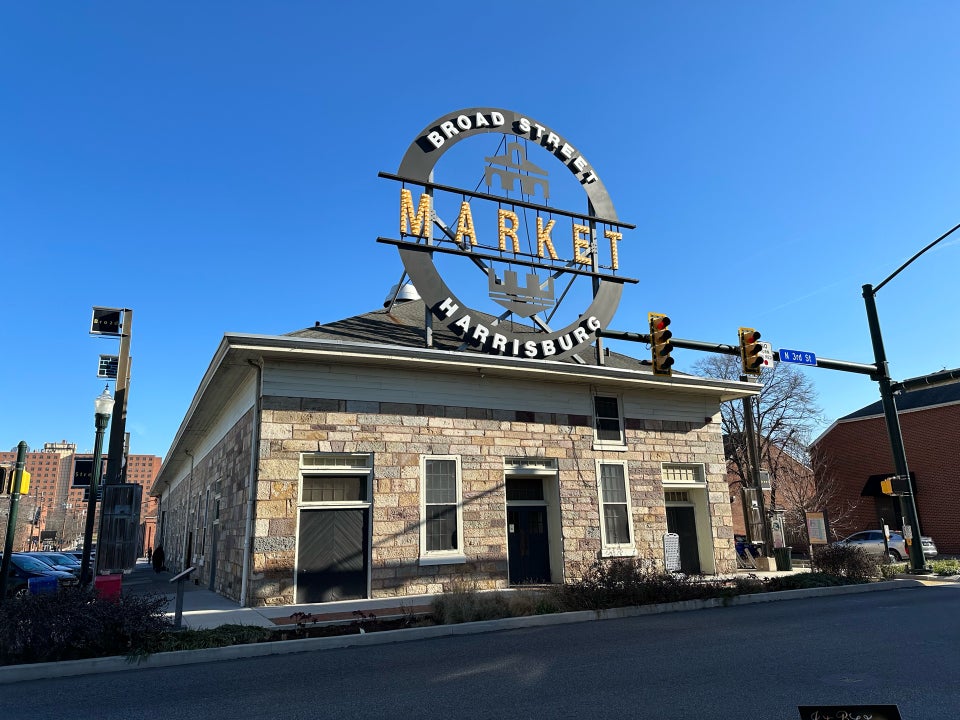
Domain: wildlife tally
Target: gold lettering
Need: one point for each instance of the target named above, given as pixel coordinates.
(543, 238)
(614, 238)
(419, 223)
(465, 227)
(503, 231)
(581, 243)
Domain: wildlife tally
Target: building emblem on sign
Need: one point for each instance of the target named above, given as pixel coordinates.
(521, 280)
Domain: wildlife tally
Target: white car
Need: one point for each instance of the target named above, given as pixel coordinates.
(871, 542)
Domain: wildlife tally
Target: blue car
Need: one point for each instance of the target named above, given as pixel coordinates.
(23, 568)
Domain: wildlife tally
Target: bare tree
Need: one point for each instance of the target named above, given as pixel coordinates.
(785, 414)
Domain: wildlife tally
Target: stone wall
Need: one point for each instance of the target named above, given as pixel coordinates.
(399, 434)
(225, 470)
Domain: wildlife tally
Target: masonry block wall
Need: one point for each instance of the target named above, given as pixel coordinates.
(854, 450)
(217, 484)
(399, 434)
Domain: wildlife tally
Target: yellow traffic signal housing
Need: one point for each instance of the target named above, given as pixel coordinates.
(750, 349)
(660, 345)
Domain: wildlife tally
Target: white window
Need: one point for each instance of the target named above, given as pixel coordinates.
(607, 423)
(683, 474)
(616, 516)
(335, 480)
(441, 536)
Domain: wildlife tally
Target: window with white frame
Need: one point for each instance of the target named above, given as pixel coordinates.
(616, 517)
(331, 479)
(674, 474)
(606, 420)
(441, 537)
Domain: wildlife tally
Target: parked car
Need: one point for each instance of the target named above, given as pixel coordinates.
(871, 542)
(58, 561)
(23, 567)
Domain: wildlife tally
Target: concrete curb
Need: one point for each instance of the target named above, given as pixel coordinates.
(70, 668)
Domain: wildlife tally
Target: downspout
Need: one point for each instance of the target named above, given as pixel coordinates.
(252, 484)
(186, 515)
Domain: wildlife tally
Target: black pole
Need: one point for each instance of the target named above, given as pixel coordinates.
(12, 517)
(753, 457)
(118, 429)
(85, 575)
(917, 562)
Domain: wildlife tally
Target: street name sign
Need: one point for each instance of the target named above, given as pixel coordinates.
(800, 357)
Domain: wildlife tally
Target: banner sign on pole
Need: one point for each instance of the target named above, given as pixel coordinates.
(107, 321)
(107, 368)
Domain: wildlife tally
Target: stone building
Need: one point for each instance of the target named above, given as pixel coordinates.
(348, 461)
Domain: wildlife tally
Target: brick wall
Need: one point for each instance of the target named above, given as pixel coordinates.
(856, 449)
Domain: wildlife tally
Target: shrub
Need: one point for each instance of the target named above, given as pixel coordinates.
(948, 566)
(802, 581)
(845, 561)
(209, 638)
(464, 602)
(889, 570)
(73, 623)
(626, 582)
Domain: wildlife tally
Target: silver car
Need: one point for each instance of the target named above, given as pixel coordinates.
(871, 542)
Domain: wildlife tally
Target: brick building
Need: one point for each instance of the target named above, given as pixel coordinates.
(53, 513)
(855, 454)
(349, 461)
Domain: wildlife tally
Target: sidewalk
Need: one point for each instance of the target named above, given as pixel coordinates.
(203, 608)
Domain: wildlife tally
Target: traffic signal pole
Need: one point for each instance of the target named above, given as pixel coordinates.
(12, 518)
(917, 561)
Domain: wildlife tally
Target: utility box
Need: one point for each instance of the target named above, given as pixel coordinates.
(117, 544)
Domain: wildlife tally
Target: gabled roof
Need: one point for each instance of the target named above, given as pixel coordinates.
(381, 339)
(912, 400)
(403, 326)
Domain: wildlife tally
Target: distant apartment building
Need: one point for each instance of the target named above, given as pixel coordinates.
(53, 513)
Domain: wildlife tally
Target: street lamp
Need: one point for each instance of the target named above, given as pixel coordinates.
(909, 505)
(103, 406)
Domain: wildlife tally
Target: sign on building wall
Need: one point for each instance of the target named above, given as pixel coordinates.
(491, 234)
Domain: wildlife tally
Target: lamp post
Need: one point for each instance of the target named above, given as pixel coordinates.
(103, 406)
(909, 505)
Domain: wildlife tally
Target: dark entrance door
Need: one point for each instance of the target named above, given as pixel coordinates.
(683, 522)
(332, 555)
(527, 547)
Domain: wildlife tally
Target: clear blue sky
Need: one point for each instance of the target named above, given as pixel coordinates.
(214, 166)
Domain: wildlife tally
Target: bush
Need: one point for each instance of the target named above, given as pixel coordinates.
(948, 566)
(802, 581)
(889, 570)
(626, 582)
(72, 624)
(465, 603)
(845, 561)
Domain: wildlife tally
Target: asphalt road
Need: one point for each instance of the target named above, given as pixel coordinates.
(756, 662)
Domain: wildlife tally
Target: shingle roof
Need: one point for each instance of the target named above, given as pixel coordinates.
(403, 326)
(913, 400)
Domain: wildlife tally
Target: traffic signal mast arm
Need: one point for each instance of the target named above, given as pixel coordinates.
(721, 349)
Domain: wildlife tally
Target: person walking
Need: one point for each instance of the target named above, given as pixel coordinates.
(149, 554)
(158, 558)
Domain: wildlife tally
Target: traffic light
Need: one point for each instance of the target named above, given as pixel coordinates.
(750, 349)
(660, 344)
